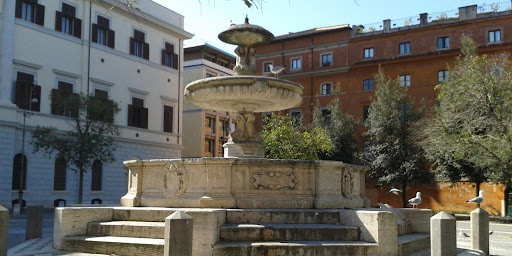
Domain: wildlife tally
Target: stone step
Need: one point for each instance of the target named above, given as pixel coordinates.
(127, 229)
(125, 246)
(152, 214)
(288, 232)
(413, 242)
(298, 248)
(403, 228)
(284, 216)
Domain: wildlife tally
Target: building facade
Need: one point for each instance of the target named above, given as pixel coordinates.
(129, 55)
(340, 62)
(205, 131)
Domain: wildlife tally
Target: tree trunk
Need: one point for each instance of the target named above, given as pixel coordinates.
(477, 187)
(404, 197)
(81, 186)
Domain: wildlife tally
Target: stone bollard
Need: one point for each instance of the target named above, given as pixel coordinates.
(4, 226)
(178, 234)
(480, 230)
(443, 240)
(34, 228)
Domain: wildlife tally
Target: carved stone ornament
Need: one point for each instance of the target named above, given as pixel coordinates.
(274, 181)
(347, 183)
(175, 180)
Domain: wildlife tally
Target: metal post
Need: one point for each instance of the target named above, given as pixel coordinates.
(22, 172)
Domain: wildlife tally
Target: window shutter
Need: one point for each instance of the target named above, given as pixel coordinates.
(175, 61)
(21, 96)
(39, 14)
(94, 36)
(163, 56)
(130, 115)
(169, 47)
(36, 93)
(17, 13)
(58, 21)
(111, 38)
(145, 118)
(77, 23)
(132, 46)
(146, 51)
(97, 173)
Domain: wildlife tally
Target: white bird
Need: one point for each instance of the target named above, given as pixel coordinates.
(463, 234)
(395, 191)
(276, 70)
(416, 200)
(477, 200)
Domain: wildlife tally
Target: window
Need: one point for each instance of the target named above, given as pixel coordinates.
(208, 75)
(266, 67)
(365, 112)
(326, 59)
(405, 48)
(326, 89)
(326, 114)
(137, 114)
(443, 42)
(102, 34)
(169, 58)
(209, 145)
(97, 175)
(101, 108)
(494, 36)
(443, 75)
(28, 95)
(64, 101)
(405, 80)
(19, 163)
(296, 116)
(66, 21)
(59, 176)
(296, 64)
(168, 118)
(368, 53)
(30, 10)
(368, 85)
(405, 112)
(138, 46)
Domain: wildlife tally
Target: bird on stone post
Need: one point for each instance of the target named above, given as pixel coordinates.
(477, 200)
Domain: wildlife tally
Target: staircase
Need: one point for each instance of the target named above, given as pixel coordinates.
(287, 232)
(409, 242)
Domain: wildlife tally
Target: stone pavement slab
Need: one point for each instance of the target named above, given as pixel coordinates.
(42, 247)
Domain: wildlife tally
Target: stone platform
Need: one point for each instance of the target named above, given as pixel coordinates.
(248, 183)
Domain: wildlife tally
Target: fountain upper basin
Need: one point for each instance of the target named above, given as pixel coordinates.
(244, 93)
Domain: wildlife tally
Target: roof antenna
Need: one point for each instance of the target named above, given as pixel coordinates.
(246, 19)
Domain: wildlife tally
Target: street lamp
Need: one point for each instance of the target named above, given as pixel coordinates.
(22, 165)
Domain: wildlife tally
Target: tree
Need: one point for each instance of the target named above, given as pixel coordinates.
(283, 139)
(392, 150)
(340, 128)
(89, 137)
(474, 117)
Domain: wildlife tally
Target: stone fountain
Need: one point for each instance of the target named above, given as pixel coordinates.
(243, 204)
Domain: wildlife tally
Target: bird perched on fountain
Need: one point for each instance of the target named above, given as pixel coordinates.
(395, 191)
(231, 23)
(477, 200)
(276, 70)
(416, 200)
(463, 234)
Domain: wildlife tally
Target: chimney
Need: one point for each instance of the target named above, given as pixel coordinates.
(423, 19)
(467, 12)
(357, 29)
(386, 25)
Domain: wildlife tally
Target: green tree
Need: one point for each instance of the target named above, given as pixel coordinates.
(392, 150)
(90, 134)
(283, 139)
(340, 128)
(474, 119)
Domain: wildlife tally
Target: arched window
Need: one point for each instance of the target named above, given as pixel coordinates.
(19, 162)
(59, 177)
(97, 173)
(368, 85)
(326, 89)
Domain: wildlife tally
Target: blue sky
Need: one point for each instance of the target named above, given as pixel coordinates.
(207, 18)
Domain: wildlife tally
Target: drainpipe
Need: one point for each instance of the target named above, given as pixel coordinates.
(312, 66)
(179, 89)
(89, 50)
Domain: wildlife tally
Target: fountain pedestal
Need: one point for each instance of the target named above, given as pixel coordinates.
(244, 150)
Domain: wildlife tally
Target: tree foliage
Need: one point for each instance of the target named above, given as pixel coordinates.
(90, 134)
(392, 150)
(473, 125)
(283, 139)
(340, 128)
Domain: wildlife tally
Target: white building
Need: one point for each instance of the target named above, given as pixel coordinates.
(133, 57)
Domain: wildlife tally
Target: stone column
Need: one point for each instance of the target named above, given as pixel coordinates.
(4, 225)
(178, 234)
(34, 227)
(6, 51)
(443, 240)
(480, 230)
